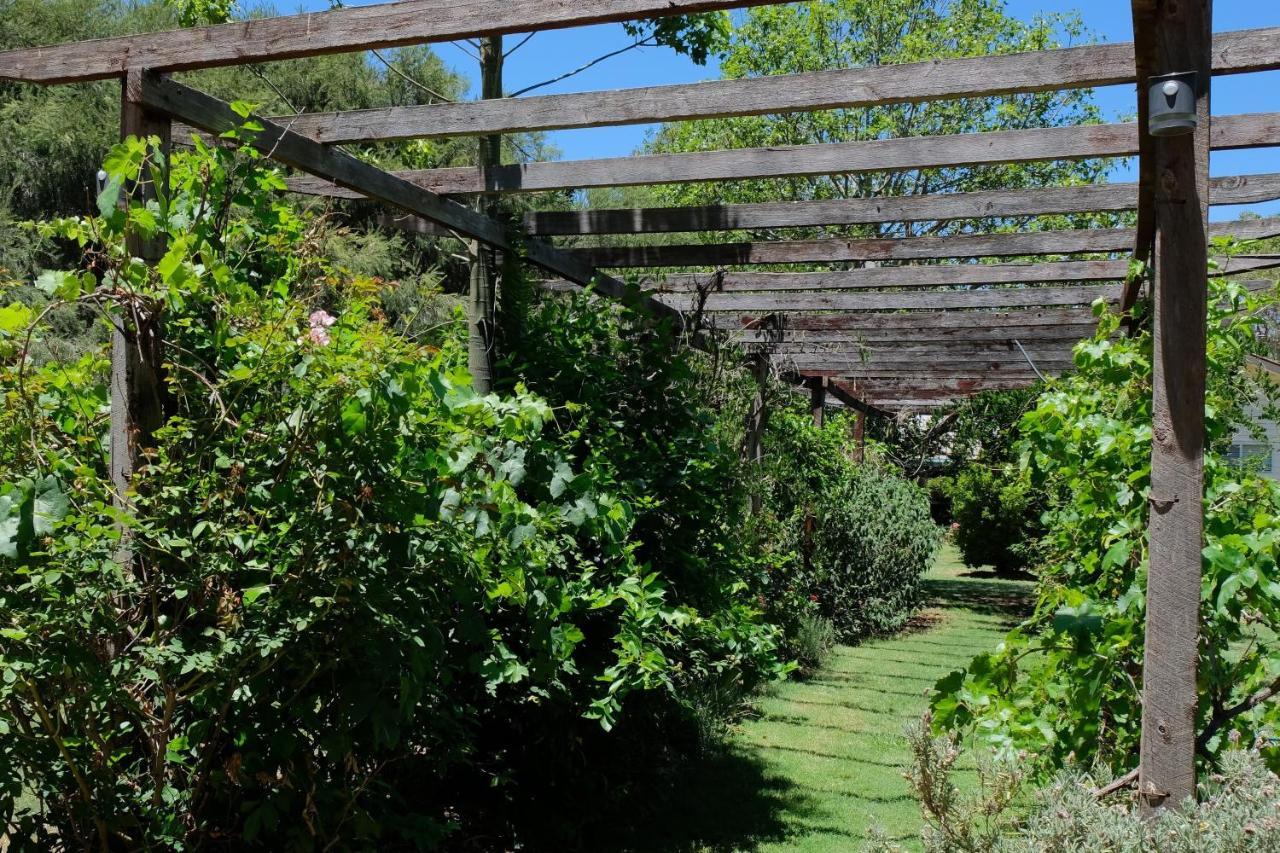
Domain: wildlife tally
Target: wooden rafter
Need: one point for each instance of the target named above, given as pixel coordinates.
(1081, 241)
(1103, 198)
(880, 155)
(318, 33)
(851, 88)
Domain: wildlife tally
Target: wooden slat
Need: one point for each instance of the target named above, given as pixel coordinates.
(875, 249)
(208, 113)
(1066, 333)
(1238, 189)
(933, 275)
(881, 155)
(1015, 297)
(318, 33)
(898, 320)
(982, 76)
(875, 389)
(915, 371)
(875, 352)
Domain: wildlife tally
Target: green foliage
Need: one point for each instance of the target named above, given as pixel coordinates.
(804, 37)
(353, 578)
(997, 512)
(697, 36)
(1238, 808)
(1067, 683)
(862, 537)
(193, 13)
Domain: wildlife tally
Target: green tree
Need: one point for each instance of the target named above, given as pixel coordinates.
(797, 38)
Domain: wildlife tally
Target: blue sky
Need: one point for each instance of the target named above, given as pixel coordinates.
(551, 53)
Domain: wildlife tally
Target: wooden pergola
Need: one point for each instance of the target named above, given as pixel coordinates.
(878, 329)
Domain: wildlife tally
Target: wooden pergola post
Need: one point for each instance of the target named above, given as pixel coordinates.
(482, 293)
(757, 423)
(137, 385)
(818, 400)
(1178, 38)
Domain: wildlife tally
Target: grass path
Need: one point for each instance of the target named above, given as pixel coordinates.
(823, 760)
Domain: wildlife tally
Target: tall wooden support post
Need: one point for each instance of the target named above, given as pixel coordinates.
(757, 423)
(137, 387)
(818, 400)
(1182, 34)
(482, 296)
(860, 437)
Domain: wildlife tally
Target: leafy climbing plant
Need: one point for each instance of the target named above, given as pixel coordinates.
(346, 566)
(1067, 683)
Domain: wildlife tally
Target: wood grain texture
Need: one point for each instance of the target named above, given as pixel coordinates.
(1176, 36)
(983, 76)
(918, 320)
(881, 155)
(318, 33)
(1089, 240)
(976, 333)
(1014, 297)
(875, 352)
(910, 276)
(1238, 189)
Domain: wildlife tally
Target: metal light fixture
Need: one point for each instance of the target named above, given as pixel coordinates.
(1172, 101)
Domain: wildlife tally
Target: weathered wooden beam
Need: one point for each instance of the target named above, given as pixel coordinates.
(845, 88)
(1087, 240)
(975, 333)
(910, 276)
(137, 387)
(880, 155)
(875, 389)
(208, 113)
(318, 33)
(1004, 351)
(913, 370)
(1178, 38)
(896, 319)
(840, 249)
(1239, 189)
(817, 400)
(1014, 297)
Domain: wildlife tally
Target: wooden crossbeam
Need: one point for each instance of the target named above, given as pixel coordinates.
(875, 389)
(318, 33)
(914, 372)
(912, 276)
(983, 76)
(917, 320)
(889, 336)
(208, 113)
(880, 155)
(1016, 297)
(1087, 240)
(1237, 189)
(880, 351)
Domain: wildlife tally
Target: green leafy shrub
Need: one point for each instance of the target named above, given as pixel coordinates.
(1238, 808)
(863, 535)
(997, 512)
(359, 592)
(1067, 684)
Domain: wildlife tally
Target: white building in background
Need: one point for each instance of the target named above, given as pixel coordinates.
(1247, 448)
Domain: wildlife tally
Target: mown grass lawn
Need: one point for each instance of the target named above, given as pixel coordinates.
(822, 760)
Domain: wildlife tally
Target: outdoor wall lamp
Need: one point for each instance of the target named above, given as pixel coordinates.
(1172, 101)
